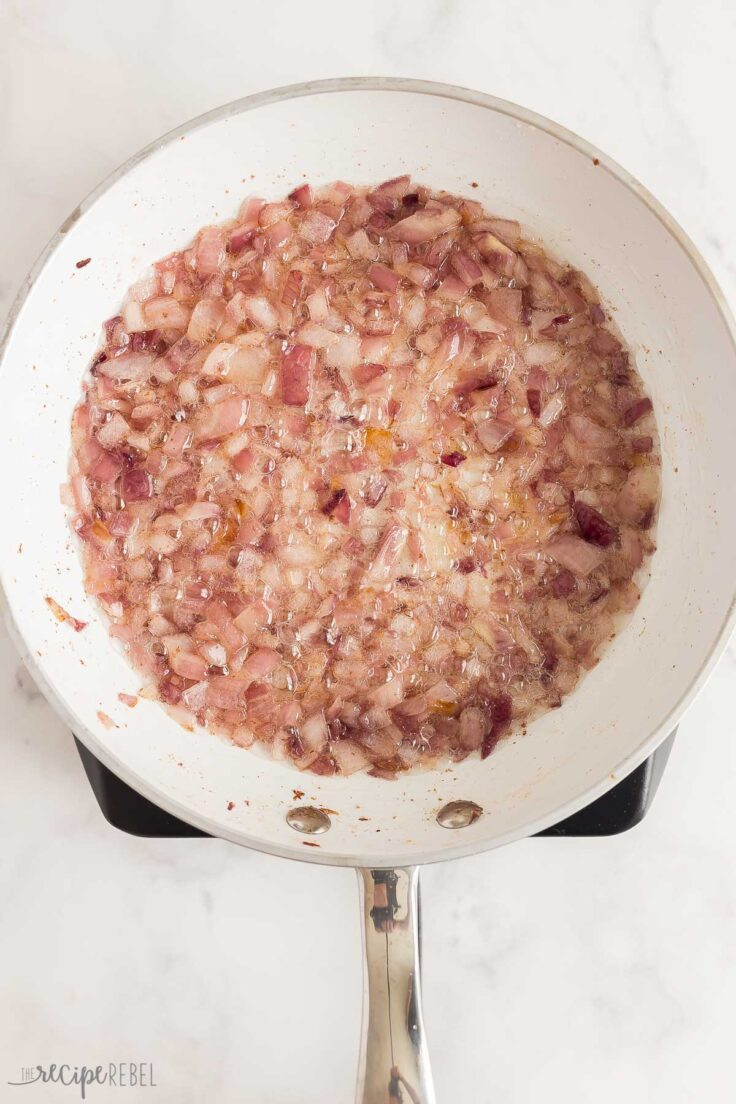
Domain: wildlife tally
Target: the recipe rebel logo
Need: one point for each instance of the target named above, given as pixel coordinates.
(119, 1075)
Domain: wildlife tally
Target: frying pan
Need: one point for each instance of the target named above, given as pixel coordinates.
(590, 212)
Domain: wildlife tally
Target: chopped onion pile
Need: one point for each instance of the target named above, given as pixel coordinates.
(364, 477)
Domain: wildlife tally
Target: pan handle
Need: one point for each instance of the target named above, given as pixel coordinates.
(394, 1065)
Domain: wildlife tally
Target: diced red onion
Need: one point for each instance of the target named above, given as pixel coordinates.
(296, 369)
(313, 731)
(499, 256)
(338, 506)
(113, 432)
(136, 485)
(383, 278)
(506, 302)
(575, 554)
(257, 478)
(493, 433)
(128, 366)
(593, 526)
(302, 196)
(258, 308)
(389, 694)
(637, 411)
(552, 410)
(262, 663)
(317, 227)
(636, 500)
(106, 468)
(292, 288)
(452, 289)
(424, 226)
(278, 234)
(222, 418)
(210, 251)
(468, 270)
(419, 274)
(318, 305)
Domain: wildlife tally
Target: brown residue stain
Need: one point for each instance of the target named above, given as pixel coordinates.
(364, 818)
(596, 161)
(61, 615)
(298, 795)
(308, 843)
(331, 812)
(474, 184)
(230, 805)
(84, 263)
(103, 718)
(128, 699)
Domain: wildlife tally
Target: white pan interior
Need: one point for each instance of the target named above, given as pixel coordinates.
(590, 214)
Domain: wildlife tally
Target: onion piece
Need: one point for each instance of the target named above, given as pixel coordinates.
(552, 410)
(534, 401)
(314, 732)
(278, 235)
(297, 362)
(136, 485)
(637, 498)
(262, 663)
(62, 615)
(468, 270)
(593, 526)
(221, 419)
(360, 246)
(260, 311)
(206, 319)
(418, 274)
(166, 312)
(189, 666)
(391, 547)
(210, 251)
(349, 757)
(492, 434)
(318, 305)
(302, 196)
(338, 506)
(424, 225)
(383, 278)
(452, 288)
(637, 411)
(317, 227)
(127, 367)
(574, 554)
(499, 256)
(389, 694)
(506, 302)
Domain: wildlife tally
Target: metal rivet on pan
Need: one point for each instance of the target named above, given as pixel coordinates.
(458, 814)
(307, 819)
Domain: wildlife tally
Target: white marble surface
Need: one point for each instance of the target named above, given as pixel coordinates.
(556, 971)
